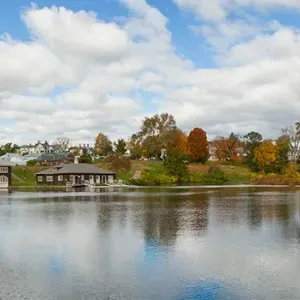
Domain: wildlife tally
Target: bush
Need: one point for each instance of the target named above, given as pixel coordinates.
(116, 162)
(32, 162)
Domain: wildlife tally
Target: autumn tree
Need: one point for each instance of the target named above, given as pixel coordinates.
(63, 142)
(251, 141)
(154, 133)
(198, 145)
(103, 145)
(227, 149)
(120, 146)
(177, 139)
(265, 155)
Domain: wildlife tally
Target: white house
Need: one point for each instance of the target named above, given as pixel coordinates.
(39, 148)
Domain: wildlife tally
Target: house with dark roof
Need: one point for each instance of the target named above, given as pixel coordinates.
(75, 174)
(55, 158)
(5, 174)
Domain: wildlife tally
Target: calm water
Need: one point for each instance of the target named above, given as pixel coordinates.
(151, 244)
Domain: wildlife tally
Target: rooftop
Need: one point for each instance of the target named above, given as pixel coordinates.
(5, 163)
(75, 169)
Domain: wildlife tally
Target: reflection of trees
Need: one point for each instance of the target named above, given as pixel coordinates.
(164, 216)
(195, 216)
(254, 213)
(160, 219)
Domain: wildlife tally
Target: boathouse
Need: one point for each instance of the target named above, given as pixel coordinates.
(74, 173)
(5, 174)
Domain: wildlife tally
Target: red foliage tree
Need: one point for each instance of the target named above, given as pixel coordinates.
(198, 145)
(227, 149)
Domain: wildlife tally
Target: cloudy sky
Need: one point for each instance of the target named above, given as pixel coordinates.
(79, 67)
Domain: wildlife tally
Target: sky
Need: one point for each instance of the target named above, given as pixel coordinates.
(78, 67)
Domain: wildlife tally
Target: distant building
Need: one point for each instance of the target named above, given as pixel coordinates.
(40, 148)
(55, 158)
(82, 149)
(5, 174)
(212, 152)
(60, 175)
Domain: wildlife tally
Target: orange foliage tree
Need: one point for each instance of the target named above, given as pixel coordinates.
(198, 145)
(265, 155)
(227, 149)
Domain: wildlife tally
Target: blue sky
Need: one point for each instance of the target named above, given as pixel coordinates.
(223, 67)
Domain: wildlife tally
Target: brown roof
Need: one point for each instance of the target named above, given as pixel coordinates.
(5, 163)
(75, 169)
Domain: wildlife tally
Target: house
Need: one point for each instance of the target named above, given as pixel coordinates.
(61, 174)
(82, 149)
(5, 174)
(40, 148)
(55, 158)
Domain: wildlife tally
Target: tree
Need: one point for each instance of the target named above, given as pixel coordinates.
(63, 142)
(227, 149)
(8, 148)
(282, 146)
(154, 134)
(252, 141)
(134, 147)
(103, 145)
(117, 162)
(120, 146)
(265, 155)
(198, 145)
(293, 133)
(175, 164)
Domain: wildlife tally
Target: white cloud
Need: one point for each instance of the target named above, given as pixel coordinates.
(103, 69)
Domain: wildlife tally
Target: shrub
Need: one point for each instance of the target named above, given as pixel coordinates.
(116, 162)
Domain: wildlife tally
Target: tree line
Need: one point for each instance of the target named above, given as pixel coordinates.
(159, 137)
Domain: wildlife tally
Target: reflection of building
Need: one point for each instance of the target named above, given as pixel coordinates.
(5, 174)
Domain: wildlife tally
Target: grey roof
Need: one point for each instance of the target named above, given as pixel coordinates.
(75, 169)
(5, 163)
(53, 156)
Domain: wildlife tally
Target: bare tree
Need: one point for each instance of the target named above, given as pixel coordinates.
(293, 133)
(63, 142)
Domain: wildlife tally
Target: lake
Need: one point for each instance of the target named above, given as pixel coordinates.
(156, 243)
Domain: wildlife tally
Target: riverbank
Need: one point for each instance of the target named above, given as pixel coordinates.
(153, 173)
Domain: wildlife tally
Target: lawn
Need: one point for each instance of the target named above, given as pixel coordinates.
(26, 174)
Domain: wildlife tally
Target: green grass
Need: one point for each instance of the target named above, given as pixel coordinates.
(26, 173)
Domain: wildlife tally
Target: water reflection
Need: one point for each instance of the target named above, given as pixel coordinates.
(157, 244)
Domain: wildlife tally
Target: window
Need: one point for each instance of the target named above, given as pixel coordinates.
(3, 169)
(60, 178)
(72, 177)
(40, 178)
(49, 178)
(3, 179)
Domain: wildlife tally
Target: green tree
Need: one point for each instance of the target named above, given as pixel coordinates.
(155, 134)
(293, 133)
(175, 165)
(120, 146)
(8, 148)
(103, 145)
(252, 141)
(282, 146)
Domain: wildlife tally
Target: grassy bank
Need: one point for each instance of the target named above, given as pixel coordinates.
(154, 173)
